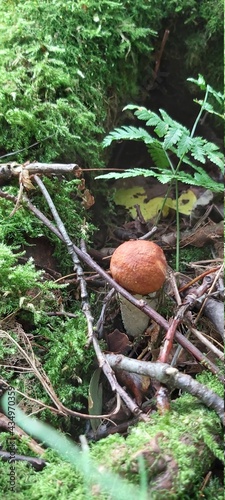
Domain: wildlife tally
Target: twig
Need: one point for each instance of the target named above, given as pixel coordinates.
(100, 323)
(37, 463)
(103, 363)
(150, 233)
(85, 305)
(33, 445)
(140, 304)
(86, 309)
(189, 302)
(44, 380)
(64, 313)
(168, 341)
(77, 266)
(197, 278)
(19, 199)
(171, 377)
(40, 168)
(219, 271)
(206, 342)
(158, 60)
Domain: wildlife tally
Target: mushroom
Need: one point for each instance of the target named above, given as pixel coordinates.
(140, 267)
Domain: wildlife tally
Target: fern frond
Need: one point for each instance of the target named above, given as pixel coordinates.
(214, 154)
(130, 172)
(172, 137)
(197, 149)
(161, 128)
(127, 133)
(144, 172)
(198, 179)
(184, 144)
(200, 82)
(162, 174)
(189, 162)
(172, 123)
(218, 95)
(217, 159)
(150, 117)
(143, 113)
(110, 175)
(132, 106)
(206, 181)
(158, 155)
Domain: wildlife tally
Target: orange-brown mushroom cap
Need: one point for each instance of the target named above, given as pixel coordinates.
(139, 266)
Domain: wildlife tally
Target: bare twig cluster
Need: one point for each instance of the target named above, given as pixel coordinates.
(161, 372)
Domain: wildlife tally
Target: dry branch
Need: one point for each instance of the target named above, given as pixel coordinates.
(170, 377)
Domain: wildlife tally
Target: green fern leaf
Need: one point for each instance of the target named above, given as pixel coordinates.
(184, 145)
(169, 121)
(164, 177)
(199, 178)
(195, 167)
(197, 149)
(110, 175)
(188, 161)
(200, 82)
(127, 133)
(134, 172)
(172, 137)
(214, 154)
(218, 95)
(150, 117)
(144, 172)
(133, 106)
(206, 181)
(142, 113)
(161, 128)
(162, 174)
(217, 159)
(158, 155)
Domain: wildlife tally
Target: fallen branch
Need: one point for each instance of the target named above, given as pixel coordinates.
(170, 377)
(13, 169)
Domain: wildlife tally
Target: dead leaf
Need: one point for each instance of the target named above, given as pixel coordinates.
(137, 195)
(87, 199)
(137, 384)
(95, 398)
(118, 342)
(202, 235)
(25, 179)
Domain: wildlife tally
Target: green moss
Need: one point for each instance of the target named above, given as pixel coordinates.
(56, 480)
(67, 68)
(190, 254)
(188, 427)
(16, 281)
(58, 343)
(67, 199)
(189, 434)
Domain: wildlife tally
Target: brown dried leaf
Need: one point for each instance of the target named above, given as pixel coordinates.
(138, 385)
(87, 199)
(25, 179)
(118, 342)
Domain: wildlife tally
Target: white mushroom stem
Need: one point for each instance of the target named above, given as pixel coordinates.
(135, 321)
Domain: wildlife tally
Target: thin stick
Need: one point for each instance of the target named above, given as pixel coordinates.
(140, 304)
